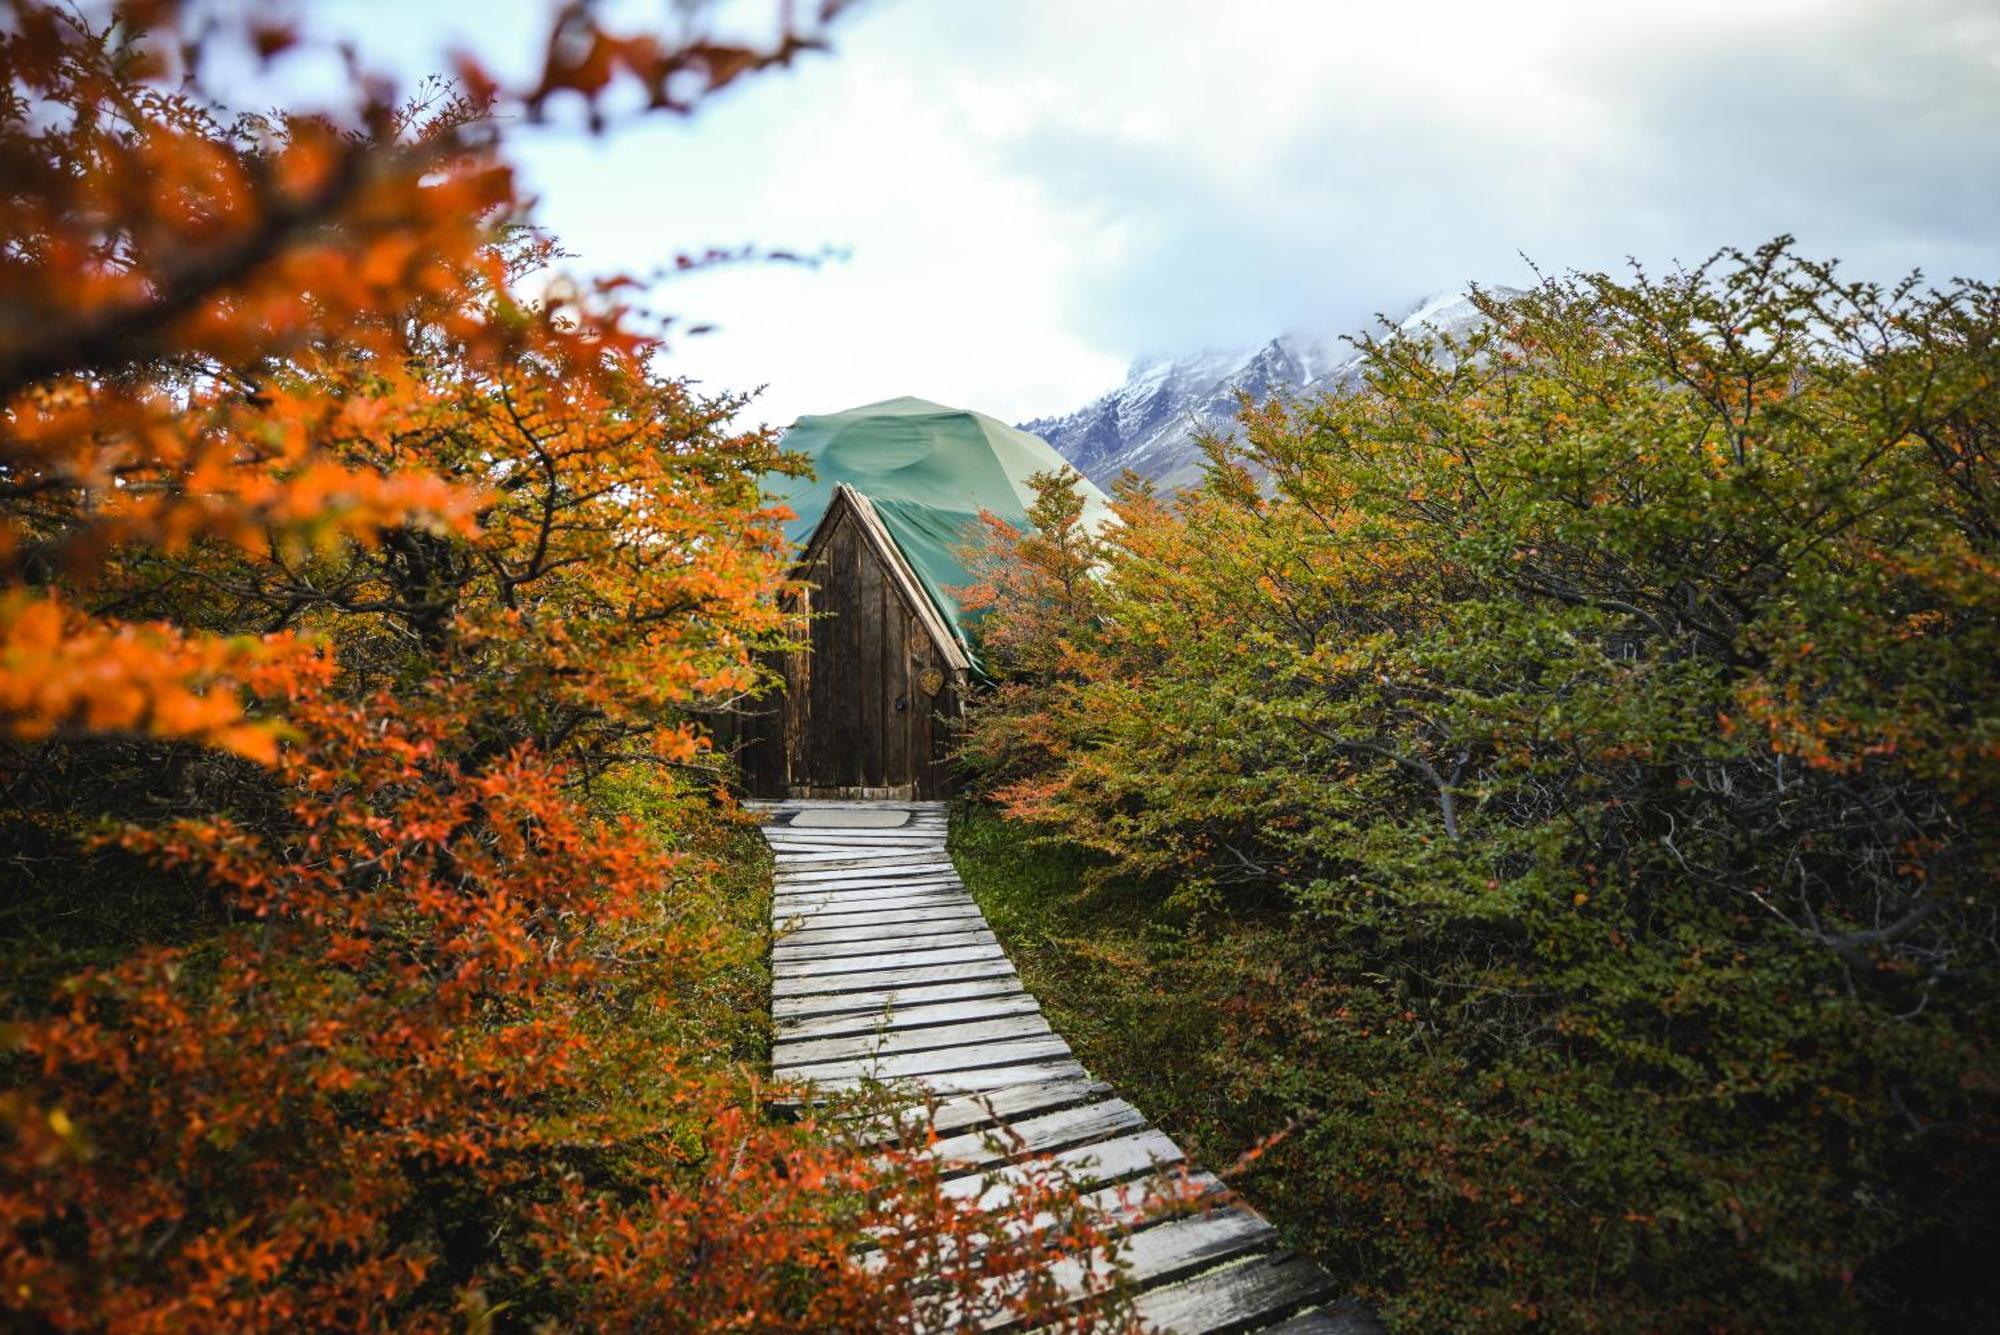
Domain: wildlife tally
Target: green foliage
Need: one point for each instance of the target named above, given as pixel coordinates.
(1610, 700)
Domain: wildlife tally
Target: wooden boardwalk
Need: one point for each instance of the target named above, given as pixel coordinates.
(884, 969)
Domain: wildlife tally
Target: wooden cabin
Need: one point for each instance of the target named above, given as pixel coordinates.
(871, 698)
(876, 690)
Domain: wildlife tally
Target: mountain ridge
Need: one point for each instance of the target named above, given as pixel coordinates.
(1150, 423)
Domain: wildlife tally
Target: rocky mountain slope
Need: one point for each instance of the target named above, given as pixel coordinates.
(1149, 423)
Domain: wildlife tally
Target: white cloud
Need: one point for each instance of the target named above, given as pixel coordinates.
(1036, 190)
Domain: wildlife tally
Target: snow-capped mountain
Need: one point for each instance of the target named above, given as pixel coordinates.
(1149, 423)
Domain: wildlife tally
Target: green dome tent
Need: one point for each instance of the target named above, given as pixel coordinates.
(929, 470)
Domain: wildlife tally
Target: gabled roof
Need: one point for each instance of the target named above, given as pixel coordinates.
(846, 500)
(927, 471)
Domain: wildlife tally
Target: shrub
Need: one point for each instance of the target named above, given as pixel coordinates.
(1611, 696)
(374, 955)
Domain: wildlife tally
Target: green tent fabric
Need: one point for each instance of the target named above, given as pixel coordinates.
(929, 470)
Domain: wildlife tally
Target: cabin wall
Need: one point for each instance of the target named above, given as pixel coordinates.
(854, 719)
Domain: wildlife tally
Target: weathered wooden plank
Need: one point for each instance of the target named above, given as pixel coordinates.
(857, 867)
(934, 833)
(967, 1082)
(819, 857)
(868, 686)
(1041, 1134)
(888, 961)
(1158, 1255)
(831, 910)
(917, 807)
(847, 866)
(794, 872)
(913, 914)
(872, 887)
(860, 892)
(830, 851)
(868, 885)
(1349, 1316)
(880, 980)
(935, 1061)
(892, 841)
(816, 931)
(1105, 1161)
(898, 629)
(844, 750)
(1143, 1201)
(1234, 1297)
(797, 1052)
(785, 954)
(808, 1004)
(901, 1018)
(790, 848)
(848, 859)
(805, 929)
(987, 1109)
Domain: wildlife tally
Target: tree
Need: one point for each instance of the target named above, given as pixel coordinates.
(380, 954)
(1610, 697)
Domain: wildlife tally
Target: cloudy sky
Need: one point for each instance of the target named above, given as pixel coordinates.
(1028, 193)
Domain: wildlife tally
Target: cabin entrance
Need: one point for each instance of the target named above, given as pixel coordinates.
(877, 684)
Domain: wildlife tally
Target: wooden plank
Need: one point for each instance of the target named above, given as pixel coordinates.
(820, 851)
(1349, 1316)
(794, 958)
(1039, 1135)
(864, 841)
(866, 667)
(793, 870)
(798, 1052)
(987, 1109)
(907, 913)
(1132, 1205)
(936, 1061)
(894, 669)
(878, 886)
(848, 940)
(1105, 1161)
(878, 980)
(1234, 1297)
(902, 837)
(865, 906)
(830, 910)
(783, 804)
(1158, 1255)
(787, 848)
(806, 1004)
(817, 931)
(867, 898)
(871, 887)
(816, 738)
(800, 881)
(888, 961)
(967, 1082)
(902, 1018)
(840, 739)
(838, 858)
(858, 823)
(1143, 1201)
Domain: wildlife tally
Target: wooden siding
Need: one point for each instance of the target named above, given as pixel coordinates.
(853, 719)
